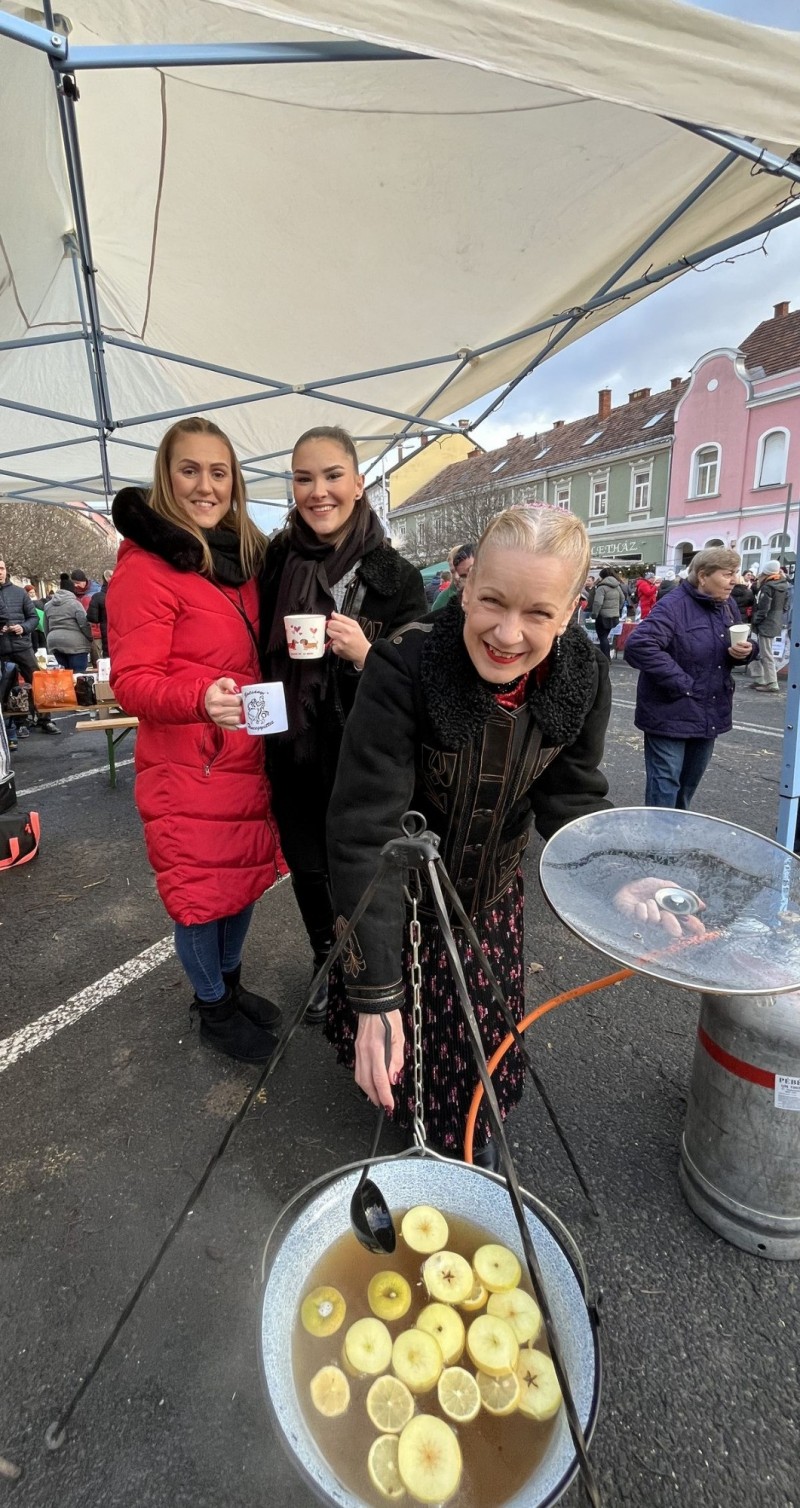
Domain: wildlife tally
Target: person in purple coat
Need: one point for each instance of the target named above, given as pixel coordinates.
(684, 698)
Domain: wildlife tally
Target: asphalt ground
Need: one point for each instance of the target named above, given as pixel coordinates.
(110, 1111)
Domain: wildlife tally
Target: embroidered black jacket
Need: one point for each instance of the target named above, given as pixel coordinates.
(427, 733)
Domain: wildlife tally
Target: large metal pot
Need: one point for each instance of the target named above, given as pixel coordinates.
(312, 1225)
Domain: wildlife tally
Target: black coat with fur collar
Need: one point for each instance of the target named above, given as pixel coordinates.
(427, 733)
(386, 593)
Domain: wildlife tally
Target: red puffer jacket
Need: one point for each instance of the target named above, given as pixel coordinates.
(201, 790)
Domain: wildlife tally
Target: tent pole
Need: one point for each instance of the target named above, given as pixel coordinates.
(192, 361)
(44, 40)
(225, 54)
(197, 408)
(655, 275)
(41, 340)
(47, 413)
(742, 146)
(71, 248)
(30, 450)
(676, 214)
(41, 481)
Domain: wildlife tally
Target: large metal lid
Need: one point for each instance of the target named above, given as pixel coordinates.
(749, 888)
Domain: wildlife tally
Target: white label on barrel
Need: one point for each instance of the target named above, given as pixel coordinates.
(787, 1092)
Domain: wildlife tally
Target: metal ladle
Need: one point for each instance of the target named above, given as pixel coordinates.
(370, 1215)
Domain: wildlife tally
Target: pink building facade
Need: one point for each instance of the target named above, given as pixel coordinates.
(737, 450)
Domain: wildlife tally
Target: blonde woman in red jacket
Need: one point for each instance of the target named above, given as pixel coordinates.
(182, 611)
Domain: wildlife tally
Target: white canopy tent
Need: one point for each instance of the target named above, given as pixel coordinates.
(369, 214)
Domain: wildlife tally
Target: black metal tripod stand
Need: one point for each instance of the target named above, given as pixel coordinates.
(418, 851)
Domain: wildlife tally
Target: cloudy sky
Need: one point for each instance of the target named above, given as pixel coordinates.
(664, 335)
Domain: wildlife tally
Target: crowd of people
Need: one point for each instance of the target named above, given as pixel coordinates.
(483, 704)
(65, 627)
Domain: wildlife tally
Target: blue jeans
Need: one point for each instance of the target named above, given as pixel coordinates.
(72, 662)
(674, 768)
(208, 950)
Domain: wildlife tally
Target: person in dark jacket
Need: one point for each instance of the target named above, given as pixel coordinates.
(769, 618)
(684, 697)
(486, 717)
(18, 619)
(743, 595)
(332, 559)
(608, 606)
(96, 612)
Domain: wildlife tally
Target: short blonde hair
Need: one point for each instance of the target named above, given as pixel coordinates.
(540, 531)
(252, 543)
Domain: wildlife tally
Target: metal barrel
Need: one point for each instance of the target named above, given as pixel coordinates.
(740, 1152)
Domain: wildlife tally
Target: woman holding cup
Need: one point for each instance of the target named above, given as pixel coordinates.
(330, 586)
(182, 611)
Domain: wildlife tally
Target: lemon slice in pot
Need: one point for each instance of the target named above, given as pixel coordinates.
(458, 1394)
(330, 1392)
(390, 1405)
(383, 1469)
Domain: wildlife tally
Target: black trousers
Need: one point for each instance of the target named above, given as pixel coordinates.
(25, 660)
(300, 797)
(603, 627)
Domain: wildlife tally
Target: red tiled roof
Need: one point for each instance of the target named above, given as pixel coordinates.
(623, 428)
(774, 344)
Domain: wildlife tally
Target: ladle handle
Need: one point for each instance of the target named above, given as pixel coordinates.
(387, 1058)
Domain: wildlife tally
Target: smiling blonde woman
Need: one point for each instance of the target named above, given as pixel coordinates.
(488, 717)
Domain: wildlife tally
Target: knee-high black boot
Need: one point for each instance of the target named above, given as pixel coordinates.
(313, 895)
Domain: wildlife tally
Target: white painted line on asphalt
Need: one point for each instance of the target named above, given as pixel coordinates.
(46, 1026)
(97, 769)
(737, 727)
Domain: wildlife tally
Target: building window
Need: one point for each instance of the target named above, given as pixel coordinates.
(750, 551)
(599, 497)
(563, 493)
(640, 489)
(705, 471)
(714, 544)
(771, 459)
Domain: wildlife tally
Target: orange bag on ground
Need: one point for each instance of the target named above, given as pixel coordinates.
(54, 688)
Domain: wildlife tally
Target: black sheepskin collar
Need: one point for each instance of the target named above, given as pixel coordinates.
(381, 570)
(459, 703)
(134, 519)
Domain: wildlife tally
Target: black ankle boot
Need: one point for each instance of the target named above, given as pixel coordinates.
(317, 1010)
(226, 1030)
(257, 1008)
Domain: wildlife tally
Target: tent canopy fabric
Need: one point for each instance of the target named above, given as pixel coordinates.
(362, 242)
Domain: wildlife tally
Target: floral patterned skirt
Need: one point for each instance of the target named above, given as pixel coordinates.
(449, 1072)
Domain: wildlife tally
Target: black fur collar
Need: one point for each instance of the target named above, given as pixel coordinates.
(136, 521)
(458, 702)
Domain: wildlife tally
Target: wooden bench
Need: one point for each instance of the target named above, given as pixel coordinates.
(110, 725)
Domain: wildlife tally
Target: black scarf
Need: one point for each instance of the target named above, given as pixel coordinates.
(313, 567)
(225, 547)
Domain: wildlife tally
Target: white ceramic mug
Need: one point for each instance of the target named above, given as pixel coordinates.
(264, 708)
(739, 633)
(305, 635)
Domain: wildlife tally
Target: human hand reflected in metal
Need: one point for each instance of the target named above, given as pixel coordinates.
(662, 903)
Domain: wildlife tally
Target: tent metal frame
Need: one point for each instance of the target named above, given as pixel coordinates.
(68, 62)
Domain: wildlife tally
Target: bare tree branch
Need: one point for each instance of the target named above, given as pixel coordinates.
(39, 541)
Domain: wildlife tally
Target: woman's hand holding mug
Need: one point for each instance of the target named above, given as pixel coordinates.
(347, 639)
(223, 703)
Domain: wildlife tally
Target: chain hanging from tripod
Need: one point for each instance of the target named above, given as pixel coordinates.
(413, 892)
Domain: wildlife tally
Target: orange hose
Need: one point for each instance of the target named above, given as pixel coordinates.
(541, 1010)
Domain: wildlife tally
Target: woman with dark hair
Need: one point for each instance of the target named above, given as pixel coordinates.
(182, 613)
(460, 559)
(333, 559)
